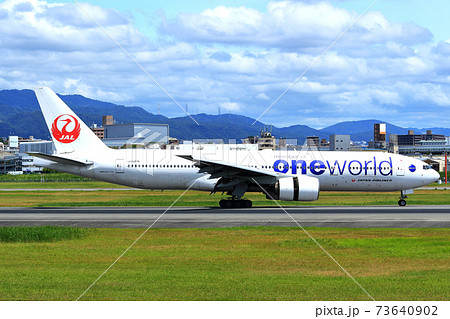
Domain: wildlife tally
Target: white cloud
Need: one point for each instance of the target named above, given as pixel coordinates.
(262, 96)
(38, 25)
(238, 58)
(290, 25)
(230, 106)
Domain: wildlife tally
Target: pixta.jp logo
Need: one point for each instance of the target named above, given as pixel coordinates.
(66, 128)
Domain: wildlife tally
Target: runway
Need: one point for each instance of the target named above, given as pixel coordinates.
(200, 217)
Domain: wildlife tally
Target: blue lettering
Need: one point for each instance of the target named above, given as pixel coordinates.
(317, 169)
(365, 166)
(333, 168)
(390, 170)
(294, 166)
(350, 167)
(277, 164)
(374, 166)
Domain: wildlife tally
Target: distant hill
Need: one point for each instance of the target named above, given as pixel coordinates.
(20, 115)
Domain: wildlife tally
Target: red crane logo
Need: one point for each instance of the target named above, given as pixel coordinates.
(69, 131)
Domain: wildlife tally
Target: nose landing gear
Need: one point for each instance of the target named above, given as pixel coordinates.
(402, 201)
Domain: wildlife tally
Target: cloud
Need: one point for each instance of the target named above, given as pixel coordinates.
(290, 25)
(238, 58)
(262, 96)
(230, 106)
(38, 25)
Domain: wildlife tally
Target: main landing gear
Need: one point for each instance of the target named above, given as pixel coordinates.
(233, 202)
(402, 201)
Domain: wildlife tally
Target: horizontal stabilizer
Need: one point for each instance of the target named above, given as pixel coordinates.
(59, 159)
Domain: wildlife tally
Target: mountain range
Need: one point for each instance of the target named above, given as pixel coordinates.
(20, 115)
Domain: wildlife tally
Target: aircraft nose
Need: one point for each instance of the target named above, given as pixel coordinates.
(433, 176)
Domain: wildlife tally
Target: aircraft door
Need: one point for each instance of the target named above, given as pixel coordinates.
(118, 168)
(400, 169)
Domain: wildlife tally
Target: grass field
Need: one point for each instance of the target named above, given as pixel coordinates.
(251, 263)
(44, 198)
(39, 234)
(59, 185)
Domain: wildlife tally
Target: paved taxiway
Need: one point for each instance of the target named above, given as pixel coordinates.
(190, 217)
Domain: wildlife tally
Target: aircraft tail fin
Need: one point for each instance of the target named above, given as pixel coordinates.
(68, 131)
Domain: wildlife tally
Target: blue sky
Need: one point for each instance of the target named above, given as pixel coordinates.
(239, 56)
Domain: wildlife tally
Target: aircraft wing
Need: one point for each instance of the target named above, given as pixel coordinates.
(219, 169)
(59, 159)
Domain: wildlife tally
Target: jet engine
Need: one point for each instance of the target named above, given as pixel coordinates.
(299, 188)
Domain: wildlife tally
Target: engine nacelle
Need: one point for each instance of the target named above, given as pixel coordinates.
(301, 188)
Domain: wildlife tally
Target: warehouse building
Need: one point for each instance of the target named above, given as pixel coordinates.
(136, 134)
(9, 162)
(339, 142)
(27, 164)
(415, 139)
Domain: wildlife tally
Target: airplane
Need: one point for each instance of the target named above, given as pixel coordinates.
(281, 175)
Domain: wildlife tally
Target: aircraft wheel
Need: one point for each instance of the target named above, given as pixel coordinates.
(229, 204)
(222, 203)
(402, 202)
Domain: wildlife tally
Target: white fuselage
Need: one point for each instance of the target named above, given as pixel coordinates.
(336, 171)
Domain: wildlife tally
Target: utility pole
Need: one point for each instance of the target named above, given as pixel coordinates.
(446, 168)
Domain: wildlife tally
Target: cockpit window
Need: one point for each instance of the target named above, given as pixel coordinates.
(427, 167)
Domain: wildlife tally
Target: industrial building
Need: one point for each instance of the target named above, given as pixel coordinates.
(131, 134)
(324, 144)
(313, 141)
(339, 142)
(140, 134)
(438, 163)
(393, 143)
(410, 144)
(39, 146)
(379, 136)
(266, 141)
(16, 159)
(98, 131)
(425, 147)
(27, 161)
(379, 132)
(9, 162)
(415, 139)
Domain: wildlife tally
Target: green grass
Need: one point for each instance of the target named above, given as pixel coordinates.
(246, 263)
(49, 177)
(42, 198)
(39, 234)
(59, 185)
